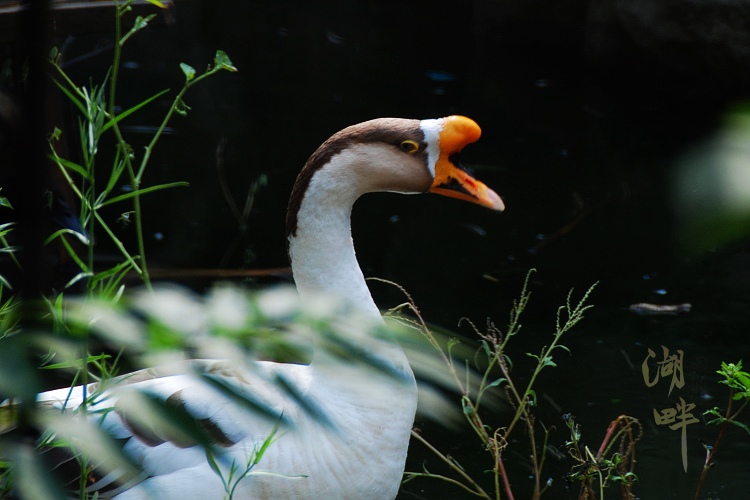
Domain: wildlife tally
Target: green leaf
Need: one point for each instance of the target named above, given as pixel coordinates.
(222, 60)
(564, 348)
(80, 237)
(132, 110)
(268, 442)
(716, 421)
(125, 265)
(713, 411)
(212, 463)
(78, 277)
(497, 382)
(143, 191)
(71, 165)
(188, 70)
(467, 408)
(486, 347)
(75, 363)
(741, 425)
(532, 397)
(157, 3)
(75, 100)
(140, 23)
(114, 287)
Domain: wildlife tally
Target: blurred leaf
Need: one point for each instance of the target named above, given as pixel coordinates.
(18, 378)
(107, 321)
(75, 363)
(31, 475)
(243, 398)
(149, 414)
(306, 403)
(87, 437)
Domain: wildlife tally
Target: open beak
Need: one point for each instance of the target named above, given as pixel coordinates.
(452, 180)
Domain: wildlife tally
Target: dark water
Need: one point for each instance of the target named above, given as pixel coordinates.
(589, 131)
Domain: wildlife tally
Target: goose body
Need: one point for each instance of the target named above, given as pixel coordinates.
(360, 450)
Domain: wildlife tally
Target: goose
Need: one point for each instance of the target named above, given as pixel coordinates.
(359, 450)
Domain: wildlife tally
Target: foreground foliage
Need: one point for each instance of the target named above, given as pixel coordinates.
(610, 464)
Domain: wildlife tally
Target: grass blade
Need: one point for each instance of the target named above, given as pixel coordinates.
(144, 191)
(132, 110)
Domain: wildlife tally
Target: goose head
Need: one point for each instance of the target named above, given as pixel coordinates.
(396, 155)
(385, 154)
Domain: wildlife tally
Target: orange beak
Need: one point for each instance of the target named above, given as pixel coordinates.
(450, 179)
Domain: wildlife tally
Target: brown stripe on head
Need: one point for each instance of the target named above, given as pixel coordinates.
(391, 131)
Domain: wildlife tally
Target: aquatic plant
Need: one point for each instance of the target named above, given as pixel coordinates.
(738, 382)
(98, 115)
(93, 188)
(610, 464)
(494, 439)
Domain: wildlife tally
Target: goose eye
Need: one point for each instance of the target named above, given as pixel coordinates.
(409, 146)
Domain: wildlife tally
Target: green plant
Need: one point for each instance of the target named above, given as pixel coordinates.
(738, 382)
(237, 473)
(8, 304)
(235, 325)
(68, 348)
(475, 397)
(98, 116)
(608, 465)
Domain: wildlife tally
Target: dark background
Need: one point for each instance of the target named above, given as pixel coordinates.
(610, 128)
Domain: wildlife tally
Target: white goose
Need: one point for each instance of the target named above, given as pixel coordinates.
(360, 452)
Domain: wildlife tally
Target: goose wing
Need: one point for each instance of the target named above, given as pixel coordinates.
(167, 421)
